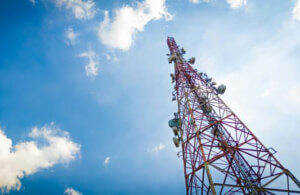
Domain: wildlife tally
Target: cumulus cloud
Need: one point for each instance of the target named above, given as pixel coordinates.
(28, 157)
(81, 9)
(91, 68)
(296, 11)
(72, 36)
(106, 161)
(128, 21)
(234, 4)
(71, 191)
(158, 148)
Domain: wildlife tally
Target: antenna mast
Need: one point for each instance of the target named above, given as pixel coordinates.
(220, 154)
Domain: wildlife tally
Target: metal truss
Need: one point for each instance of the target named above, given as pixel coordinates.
(220, 154)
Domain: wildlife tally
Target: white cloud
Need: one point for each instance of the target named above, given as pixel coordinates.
(296, 11)
(72, 37)
(26, 158)
(107, 56)
(158, 148)
(32, 1)
(91, 68)
(111, 57)
(121, 31)
(234, 4)
(71, 191)
(106, 161)
(81, 9)
(197, 1)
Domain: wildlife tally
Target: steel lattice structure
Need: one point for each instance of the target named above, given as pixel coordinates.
(220, 154)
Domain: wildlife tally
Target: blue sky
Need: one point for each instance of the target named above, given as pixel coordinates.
(86, 94)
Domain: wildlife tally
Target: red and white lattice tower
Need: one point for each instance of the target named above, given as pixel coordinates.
(220, 154)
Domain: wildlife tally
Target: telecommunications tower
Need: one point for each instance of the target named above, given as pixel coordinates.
(220, 154)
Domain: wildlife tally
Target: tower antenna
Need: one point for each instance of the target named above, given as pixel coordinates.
(220, 154)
